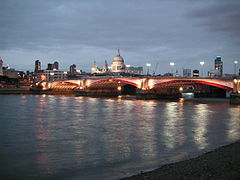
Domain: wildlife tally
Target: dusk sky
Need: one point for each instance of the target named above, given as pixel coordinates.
(79, 32)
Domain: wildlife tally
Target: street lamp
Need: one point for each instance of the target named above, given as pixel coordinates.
(172, 64)
(148, 67)
(235, 67)
(202, 63)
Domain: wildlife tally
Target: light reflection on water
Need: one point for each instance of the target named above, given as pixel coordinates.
(201, 119)
(66, 137)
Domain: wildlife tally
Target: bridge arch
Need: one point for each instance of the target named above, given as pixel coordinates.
(114, 81)
(205, 82)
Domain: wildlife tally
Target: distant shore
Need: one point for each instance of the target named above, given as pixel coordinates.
(222, 163)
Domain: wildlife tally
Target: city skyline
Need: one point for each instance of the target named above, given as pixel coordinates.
(153, 32)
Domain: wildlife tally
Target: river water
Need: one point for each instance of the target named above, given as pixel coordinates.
(67, 137)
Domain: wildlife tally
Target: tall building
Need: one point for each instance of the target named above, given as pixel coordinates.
(195, 73)
(219, 65)
(55, 65)
(1, 63)
(50, 66)
(187, 72)
(118, 65)
(37, 66)
(73, 69)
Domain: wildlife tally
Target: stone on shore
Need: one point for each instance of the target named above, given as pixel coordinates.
(222, 163)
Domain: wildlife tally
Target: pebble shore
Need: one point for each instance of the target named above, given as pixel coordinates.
(222, 163)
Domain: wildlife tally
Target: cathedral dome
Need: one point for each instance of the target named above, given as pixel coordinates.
(118, 58)
(118, 65)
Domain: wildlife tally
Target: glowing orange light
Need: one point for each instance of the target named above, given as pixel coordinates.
(119, 88)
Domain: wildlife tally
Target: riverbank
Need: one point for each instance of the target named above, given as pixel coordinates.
(222, 163)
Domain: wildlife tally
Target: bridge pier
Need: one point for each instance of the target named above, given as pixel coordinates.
(235, 99)
(151, 94)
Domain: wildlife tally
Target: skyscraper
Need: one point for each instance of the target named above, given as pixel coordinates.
(55, 65)
(219, 65)
(73, 69)
(37, 66)
(1, 62)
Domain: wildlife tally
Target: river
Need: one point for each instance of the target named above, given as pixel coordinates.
(67, 137)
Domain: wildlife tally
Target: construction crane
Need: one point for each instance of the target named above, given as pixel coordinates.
(155, 68)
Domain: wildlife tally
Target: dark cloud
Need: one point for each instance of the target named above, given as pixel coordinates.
(80, 31)
(220, 16)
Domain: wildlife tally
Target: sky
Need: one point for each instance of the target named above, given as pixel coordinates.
(155, 31)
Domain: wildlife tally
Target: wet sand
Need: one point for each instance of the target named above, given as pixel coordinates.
(222, 163)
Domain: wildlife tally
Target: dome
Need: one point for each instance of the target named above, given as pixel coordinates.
(118, 65)
(118, 58)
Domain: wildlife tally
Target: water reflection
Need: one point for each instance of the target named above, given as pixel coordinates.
(80, 137)
(234, 123)
(145, 139)
(200, 119)
(170, 124)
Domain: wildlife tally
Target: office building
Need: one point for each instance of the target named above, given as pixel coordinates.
(195, 73)
(37, 66)
(218, 65)
(187, 73)
(134, 70)
(1, 63)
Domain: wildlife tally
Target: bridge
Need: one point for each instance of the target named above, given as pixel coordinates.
(157, 85)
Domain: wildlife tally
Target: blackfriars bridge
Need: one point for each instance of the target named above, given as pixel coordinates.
(152, 85)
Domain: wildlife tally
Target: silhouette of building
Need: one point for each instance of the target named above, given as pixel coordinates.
(195, 73)
(37, 66)
(73, 69)
(1, 63)
(218, 65)
(54, 66)
(187, 73)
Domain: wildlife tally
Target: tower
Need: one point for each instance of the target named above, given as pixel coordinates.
(73, 69)
(105, 67)
(94, 68)
(219, 65)
(55, 65)
(37, 66)
(1, 63)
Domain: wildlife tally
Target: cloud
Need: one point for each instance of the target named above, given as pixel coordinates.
(220, 16)
(153, 31)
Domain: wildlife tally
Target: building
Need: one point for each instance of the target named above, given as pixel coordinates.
(218, 65)
(134, 70)
(53, 66)
(37, 66)
(118, 65)
(73, 69)
(214, 73)
(105, 67)
(195, 73)
(187, 73)
(52, 75)
(1, 63)
(95, 69)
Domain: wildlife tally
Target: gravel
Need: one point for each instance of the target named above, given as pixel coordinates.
(222, 163)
